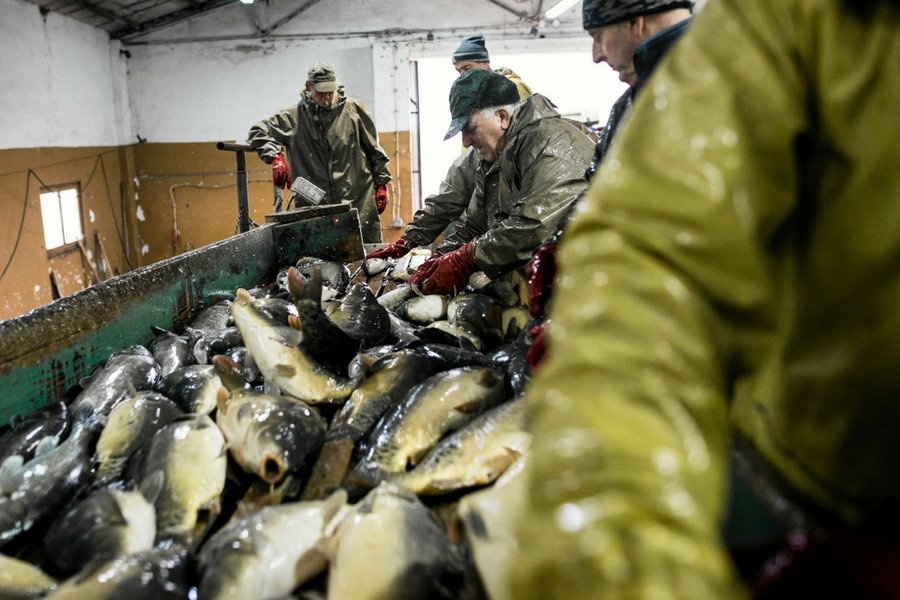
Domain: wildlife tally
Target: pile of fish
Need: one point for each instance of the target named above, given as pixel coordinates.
(335, 434)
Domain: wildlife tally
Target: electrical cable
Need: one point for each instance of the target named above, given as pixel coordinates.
(21, 225)
(113, 211)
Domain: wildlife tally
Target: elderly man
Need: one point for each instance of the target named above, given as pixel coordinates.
(632, 37)
(331, 141)
(458, 187)
(537, 155)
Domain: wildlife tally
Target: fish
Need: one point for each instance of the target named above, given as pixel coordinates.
(334, 274)
(386, 384)
(189, 456)
(423, 310)
(155, 574)
(360, 316)
(393, 299)
(43, 485)
(125, 372)
(462, 334)
(249, 369)
(324, 340)
(511, 357)
(390, 546)
(474, 455)
(20, 580)
(479, 314)
(25, 433)
(269, 436)
(130, 424)
(402, 330)
(515, 319)
(277, 352)
(209, 320)
(440, 404)
(170, 350)
(446, 357)
(489, 518)
(106, 524)
(268, 553)
(194, 388)
(217, 342)
(374, 266)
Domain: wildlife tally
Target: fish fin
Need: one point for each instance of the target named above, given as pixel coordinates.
(112, 510)
(229, 371)
(471, 407)
(151, 486)
(222, 397)
(271, 388)
(309, 564)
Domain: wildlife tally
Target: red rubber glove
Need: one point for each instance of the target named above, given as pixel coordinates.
(281, 172)
(394, 250)
(538, 349)
(540, 270)
(446, 273)
(381, 199)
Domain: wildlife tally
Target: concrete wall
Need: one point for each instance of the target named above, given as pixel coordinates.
(62, 82)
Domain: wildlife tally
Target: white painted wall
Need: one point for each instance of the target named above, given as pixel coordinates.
(61, 82)
(215, 91)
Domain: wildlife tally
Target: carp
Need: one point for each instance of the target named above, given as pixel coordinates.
(390, 546)
(267, 553)
(281, 360)
(269, 436)
(440, 404)
(188, 459)
(19, 579)
(130, 424)
(123, 373)
(475, 455)
(106, 524)
(194, 388)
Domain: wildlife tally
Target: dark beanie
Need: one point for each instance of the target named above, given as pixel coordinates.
(472, 48)
(600, 13)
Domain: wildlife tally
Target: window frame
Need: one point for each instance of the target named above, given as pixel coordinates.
(66, 247)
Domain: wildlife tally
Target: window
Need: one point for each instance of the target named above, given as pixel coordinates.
(61, 214)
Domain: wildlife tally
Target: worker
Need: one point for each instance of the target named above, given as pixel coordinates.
(330, 140)
(539, 157)
(632, 37)
(455, 192)
(737, 286)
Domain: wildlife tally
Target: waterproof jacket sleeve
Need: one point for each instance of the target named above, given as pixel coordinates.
(375, 154)
(271, 136)
(546, 163)
(670, 283)
(448, 204)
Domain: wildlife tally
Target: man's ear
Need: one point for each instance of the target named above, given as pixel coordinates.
(505, 118)
(308, 87)
(638, 26)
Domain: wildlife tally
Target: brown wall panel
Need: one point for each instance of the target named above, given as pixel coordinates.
(147, 202)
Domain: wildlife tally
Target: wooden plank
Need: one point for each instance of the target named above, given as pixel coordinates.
(92, 268)
(104, 268)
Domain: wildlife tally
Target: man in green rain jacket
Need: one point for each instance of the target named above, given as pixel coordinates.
(330, 140)
(536, 154)
(741, 280)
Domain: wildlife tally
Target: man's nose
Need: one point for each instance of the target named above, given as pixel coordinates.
(466, 139)
(597, 52)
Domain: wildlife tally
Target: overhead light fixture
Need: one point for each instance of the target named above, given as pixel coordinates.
(559, 8)
(246, 1)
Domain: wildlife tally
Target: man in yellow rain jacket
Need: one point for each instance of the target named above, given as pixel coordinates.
(739, 282)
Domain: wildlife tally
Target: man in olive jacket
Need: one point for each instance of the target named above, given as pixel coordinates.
(330, 139)
(536, 154)
(739, 282)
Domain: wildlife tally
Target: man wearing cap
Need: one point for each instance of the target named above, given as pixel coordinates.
(540, 158)
(632, 37)
(457, 189)
(329, 139)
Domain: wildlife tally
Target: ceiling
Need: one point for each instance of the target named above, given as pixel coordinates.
(124, 19)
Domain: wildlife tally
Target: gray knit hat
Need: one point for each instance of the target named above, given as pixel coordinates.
(600, 13)
(473, 49)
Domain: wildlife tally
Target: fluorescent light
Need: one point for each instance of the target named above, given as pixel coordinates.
(246, 1)
(559, 8)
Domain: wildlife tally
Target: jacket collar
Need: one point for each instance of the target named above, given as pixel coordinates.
(651, 50)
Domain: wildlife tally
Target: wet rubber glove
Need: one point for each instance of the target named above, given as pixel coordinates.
(281, 172)
(446, 273)
(393, 250)
(540, 270)
(538, 349)
(381, 199)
